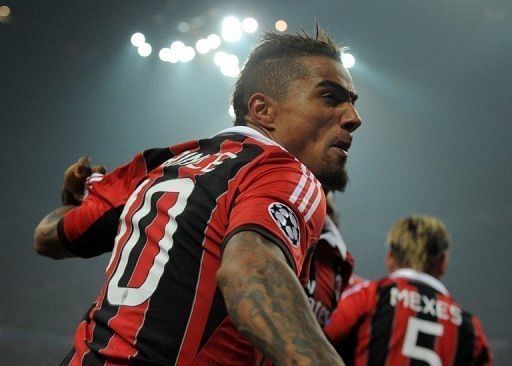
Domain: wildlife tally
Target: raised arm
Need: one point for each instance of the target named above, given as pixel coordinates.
(267, 303)
(46, 240)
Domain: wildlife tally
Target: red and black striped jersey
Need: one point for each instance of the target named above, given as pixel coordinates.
(90, 229)
(330, 271)
(407, 318)
(160, 304)
(354, 279)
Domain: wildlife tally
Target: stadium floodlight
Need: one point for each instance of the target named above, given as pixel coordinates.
(249, 25)
(232, 60)
(214, 41)
(228, 63)
(202, 46)
(230, 70)
(165, 54)
(144, 49)
(137, 39)
(281, 25)
(219, 57)
(5, 11)
(186, 54)
(177, 45)
(173, 56)
(347, 60)
(231, 29)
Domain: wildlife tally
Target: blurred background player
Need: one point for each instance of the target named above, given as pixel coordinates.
(409, 317)
(331, 266)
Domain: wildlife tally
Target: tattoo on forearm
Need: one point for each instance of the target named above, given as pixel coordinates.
(50, 221)
(270, 309)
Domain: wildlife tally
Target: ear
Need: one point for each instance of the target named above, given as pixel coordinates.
(443, 262)
(391, 265)
(262, 111)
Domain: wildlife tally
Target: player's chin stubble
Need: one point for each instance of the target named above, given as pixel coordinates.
(334, 179)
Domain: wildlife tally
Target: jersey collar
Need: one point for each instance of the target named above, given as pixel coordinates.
(332, 235)
(250, 132)
(412, 274)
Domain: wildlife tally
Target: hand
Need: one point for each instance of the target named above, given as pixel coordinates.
(75, 178)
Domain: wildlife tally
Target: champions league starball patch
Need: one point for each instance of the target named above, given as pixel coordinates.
(285, 218)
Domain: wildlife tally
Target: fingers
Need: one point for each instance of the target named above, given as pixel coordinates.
(76, 174)
(99, 169)
(84, 161)
(82, 168)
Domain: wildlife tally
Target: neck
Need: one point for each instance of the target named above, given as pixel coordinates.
(260, 129)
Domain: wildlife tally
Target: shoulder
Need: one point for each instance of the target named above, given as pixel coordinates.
(277, 169)
(155, 156)
(364, 288)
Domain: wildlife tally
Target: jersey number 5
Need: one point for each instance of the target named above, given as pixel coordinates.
(412, 350)
(133, 296)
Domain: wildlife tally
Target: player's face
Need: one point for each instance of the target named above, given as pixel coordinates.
(317, 118)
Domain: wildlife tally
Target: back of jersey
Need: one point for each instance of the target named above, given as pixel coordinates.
(410, 318)
(160, 304)
(162, 270)
(420, 323)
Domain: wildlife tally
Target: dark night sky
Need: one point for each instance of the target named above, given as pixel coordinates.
(434, 79)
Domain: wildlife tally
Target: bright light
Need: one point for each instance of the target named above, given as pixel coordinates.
(5, 11)
(249, 25)
(177, 45)
(347, 60)
(173, 56)
(231, 29)
(213, 41)
(219, 57)
(228, 63)
(138, 39)
(202, 46)
(165, 54)
(231, 112)
(230, 70)
(232, 60)
(187, 54)
(144, 49)
(281, 25)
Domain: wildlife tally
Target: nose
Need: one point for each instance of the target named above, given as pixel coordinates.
(350, 119)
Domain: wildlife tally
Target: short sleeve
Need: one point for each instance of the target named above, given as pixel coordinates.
(284, 202)
(355, 303)
(90, 229)
(483, 354)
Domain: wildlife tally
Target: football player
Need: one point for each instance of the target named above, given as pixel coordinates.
(409, 317)
(210, 245)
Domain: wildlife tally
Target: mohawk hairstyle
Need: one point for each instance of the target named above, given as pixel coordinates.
(275, 62)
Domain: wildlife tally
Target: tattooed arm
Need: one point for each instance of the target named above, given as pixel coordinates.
(46, 239)
(267, 303)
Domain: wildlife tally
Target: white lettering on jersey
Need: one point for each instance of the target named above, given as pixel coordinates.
(219, 158)
(195, 160)
(426, 305)
(186, 157)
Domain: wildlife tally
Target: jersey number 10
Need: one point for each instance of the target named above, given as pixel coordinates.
(133, 296)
